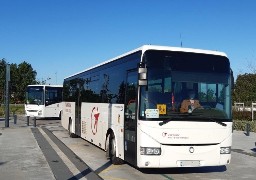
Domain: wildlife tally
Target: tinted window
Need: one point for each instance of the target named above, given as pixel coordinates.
(53, 95)
(103, 84)
(188, 62)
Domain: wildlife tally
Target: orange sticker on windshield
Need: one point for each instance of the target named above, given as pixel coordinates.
(161, 108)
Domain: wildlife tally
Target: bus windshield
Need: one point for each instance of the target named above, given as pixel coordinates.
(186, 86)
(35, 95)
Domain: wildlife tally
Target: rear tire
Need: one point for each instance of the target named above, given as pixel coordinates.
(112, 151)
(60, 115)
(72, 135)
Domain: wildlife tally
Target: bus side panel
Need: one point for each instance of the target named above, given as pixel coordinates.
(118, 128)
(52, 110)
(94, 125)
(68, 113)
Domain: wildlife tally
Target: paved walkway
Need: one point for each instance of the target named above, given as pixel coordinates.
(243, 143)
(20, 156)
(26, 153)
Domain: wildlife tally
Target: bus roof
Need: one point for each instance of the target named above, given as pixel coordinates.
(44, 85)
(155, 47)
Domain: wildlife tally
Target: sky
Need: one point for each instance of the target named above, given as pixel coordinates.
(62, 37)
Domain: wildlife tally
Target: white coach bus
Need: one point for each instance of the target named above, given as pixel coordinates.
(43, 101)
(155, 107)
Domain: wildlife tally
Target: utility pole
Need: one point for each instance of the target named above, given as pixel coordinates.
(7, 95)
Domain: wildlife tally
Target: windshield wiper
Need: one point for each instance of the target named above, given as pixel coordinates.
(168, 120)
(218, 122)
(164, 122)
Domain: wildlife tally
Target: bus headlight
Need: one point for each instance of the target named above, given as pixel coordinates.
(225, 150)
(150, 151)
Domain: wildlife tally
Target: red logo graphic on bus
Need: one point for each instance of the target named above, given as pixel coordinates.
(94, 119)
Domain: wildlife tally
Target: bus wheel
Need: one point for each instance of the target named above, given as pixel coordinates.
(72, 135)
(60, 116)
(107, 147)
(112, 151)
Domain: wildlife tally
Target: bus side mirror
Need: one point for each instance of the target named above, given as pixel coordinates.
(142, 76)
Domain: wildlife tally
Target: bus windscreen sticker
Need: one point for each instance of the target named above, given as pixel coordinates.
(161, 108)
(152, 113)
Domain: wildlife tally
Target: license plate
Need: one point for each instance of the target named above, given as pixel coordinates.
(189, 163)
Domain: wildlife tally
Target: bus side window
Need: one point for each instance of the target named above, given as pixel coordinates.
(131, 109)
(131, 91)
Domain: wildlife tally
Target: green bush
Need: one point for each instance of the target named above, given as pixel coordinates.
(1, 112)
(242, 118)
(17, 109)
(243, 115)
(240, 125)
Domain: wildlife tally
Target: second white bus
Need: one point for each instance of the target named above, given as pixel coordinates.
(44, 101)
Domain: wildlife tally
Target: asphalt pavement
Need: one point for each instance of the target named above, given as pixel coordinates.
(28, 152)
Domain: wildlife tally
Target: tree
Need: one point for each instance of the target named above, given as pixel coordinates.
(245, 88)
(21, 76)
(24, 76)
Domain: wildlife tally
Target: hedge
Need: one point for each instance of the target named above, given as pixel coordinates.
(242, 118)
(241, 125)
(17, 109)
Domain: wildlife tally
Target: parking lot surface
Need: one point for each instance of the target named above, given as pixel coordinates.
(47, 152)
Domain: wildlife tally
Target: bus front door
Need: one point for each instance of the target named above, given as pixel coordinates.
(130, 118)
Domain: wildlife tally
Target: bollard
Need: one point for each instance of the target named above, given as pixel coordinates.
(15, 118)
(248, 129)
(34, 121)
(27, 120)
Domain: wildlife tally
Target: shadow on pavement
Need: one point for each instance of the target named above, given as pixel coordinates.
(185, 170)
(2, 163)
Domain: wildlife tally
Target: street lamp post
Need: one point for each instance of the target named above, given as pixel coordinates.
(7, 95)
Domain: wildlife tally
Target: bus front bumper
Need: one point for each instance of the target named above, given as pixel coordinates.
(186, 156)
